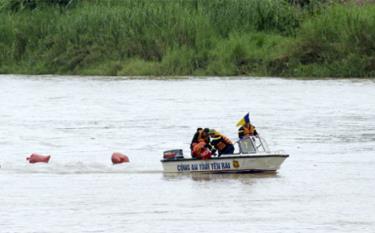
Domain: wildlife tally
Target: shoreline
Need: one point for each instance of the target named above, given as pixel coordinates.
(176, 77)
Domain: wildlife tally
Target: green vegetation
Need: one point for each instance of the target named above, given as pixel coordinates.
(188, 37)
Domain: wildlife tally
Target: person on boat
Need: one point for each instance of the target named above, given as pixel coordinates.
(200, 144)
(196, 138)
(246, 129)
(201, 151)
(221, 143)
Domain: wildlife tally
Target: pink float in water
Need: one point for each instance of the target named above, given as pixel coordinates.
(117, 158)
(37, 158)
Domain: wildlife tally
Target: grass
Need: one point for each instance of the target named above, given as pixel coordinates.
(340, 42)
(187, 37)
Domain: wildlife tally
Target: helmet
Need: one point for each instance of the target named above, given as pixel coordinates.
(211, 131)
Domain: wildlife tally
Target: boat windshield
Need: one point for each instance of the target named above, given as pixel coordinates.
(246, 146)
(252, 144)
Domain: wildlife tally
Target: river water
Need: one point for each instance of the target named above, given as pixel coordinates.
(326, 185)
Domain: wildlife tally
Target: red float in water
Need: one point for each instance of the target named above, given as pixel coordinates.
(37, 158)
(117, 158)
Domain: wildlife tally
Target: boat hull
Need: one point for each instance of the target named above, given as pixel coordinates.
(227, 164)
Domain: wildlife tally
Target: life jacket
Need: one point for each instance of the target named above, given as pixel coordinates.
(220, 141)
(246, 131)
(200, 151)
(198, 137)
(206, 154)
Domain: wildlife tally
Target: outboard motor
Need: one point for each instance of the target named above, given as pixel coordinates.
(173, 154)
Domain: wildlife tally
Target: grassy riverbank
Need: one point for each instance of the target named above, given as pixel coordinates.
(181, 37)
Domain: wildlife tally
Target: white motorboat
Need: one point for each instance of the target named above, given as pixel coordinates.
(252, 156)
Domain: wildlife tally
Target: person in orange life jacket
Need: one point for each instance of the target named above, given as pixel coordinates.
(247, 130)
(201, 135)
(195, 138)
(222, 144)
(200, 151)
(199, 142)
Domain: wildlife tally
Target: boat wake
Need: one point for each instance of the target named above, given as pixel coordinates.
(75, 168)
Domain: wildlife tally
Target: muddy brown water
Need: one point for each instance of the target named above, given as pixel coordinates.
(326, 185)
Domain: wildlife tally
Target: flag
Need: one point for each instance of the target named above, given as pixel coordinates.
(244, 120)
